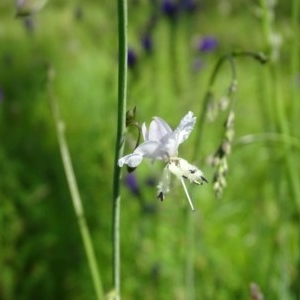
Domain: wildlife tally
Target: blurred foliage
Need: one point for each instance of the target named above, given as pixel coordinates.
(250, 235)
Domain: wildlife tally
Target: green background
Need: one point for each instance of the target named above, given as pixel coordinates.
(249, 235)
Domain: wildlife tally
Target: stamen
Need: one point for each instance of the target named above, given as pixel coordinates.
(161, 196)
(187, 194)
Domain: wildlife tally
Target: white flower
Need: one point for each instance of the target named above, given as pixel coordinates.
(161, 143)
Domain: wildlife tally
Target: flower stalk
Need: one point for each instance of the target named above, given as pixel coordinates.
(121, 127)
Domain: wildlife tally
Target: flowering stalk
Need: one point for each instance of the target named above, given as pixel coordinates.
(190, 222)
(121, 125)
(209, 94)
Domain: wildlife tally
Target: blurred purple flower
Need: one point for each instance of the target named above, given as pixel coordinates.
(189, 5)
(1, 96)
(169, 8)
(131, 58)
(147, 43)
(208, 44)
(131, 183)
(151, 181)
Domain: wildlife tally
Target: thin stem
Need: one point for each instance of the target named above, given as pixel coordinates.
(260, 57)
(121, 126)
(230, 57)
(273, 137)
(283, 126)
(187, 194)
(75, 196)
(295, 63)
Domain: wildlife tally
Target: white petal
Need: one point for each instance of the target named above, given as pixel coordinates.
(172, 147)
(183, 169)
(145, 132)
(164, 184)
(149, 149)
(186, 125)
(132, 160)
(159, 130)
(152, 149)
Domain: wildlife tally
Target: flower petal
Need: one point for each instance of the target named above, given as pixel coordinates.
(183, 130)
(132, 160)
(164, 184)
(152, 149)
(145, 132)
(149, 149)
(159, 130)
(172, 147)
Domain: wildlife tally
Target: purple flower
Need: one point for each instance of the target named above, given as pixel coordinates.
(1, 96)
(189, 5)
(169, 8)
(147, 43)
(131, 58)
(208, 44)
(131, 183)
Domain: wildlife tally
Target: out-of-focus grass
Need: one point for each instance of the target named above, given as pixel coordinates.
(249, 235)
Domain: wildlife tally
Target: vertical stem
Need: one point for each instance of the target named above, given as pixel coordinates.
(284, 127)
(121, 125)
(230, 57)
(295, 64)
(75, 196)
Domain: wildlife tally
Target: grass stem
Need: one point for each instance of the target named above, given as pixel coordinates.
(75, 196)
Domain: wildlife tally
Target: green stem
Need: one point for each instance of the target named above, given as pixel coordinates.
(295, 64)
(230, 57)
(75, 196)
(260, 57)
(273, 137)
(283, 126)
(207, 99)
(121, 126)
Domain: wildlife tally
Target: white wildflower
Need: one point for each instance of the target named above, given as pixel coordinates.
(161, 143)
